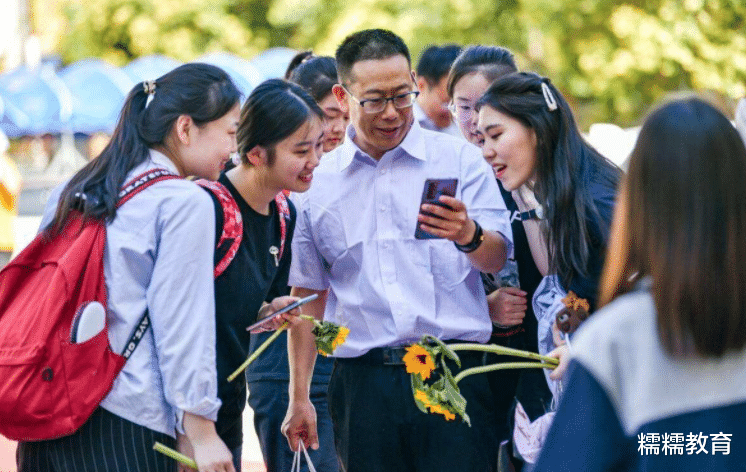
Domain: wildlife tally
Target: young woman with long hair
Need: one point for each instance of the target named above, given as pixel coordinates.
(656, 376)
(156, 260)
(564, 189)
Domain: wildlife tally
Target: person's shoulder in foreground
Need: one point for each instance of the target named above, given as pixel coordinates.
(630, 406)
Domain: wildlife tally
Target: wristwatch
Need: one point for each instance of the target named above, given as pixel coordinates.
(475, 242)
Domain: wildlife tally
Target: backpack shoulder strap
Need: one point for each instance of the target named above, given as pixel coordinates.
(232, 234)
(129, 190)
(282, 206)
(143, 181)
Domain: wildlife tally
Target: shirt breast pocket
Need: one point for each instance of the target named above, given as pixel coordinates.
(330, 235)
(449, 265)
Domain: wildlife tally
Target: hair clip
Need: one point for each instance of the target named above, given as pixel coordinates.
(149, 87)
(548, 96)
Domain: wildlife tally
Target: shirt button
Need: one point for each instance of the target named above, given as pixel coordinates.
(383, 208)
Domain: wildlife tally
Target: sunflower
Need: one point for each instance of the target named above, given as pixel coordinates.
(341, 337)
(421, 396)
(449, 416)
(418, 360)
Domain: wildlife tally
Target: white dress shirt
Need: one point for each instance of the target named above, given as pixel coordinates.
(159, 255)
(355, 235)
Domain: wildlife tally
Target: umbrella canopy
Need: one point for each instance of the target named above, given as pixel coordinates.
(40, 95)
(11, 118)
(98, 91)
(244, 74)
(274, 62)
(150, 67)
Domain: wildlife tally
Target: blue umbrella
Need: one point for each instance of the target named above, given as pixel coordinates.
(150, 67)
(12, 120)
(39, 95)
(244, 74)
(274, 62)
(98, 90)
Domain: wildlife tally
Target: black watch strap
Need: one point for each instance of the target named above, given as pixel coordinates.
(535, 214)
(475, 242)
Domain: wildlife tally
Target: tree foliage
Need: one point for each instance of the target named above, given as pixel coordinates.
(611, 58)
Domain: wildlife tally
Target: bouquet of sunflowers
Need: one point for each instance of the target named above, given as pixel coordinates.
(434, 386)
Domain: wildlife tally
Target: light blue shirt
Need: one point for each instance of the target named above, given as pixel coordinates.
(355, 235)
(159, 255)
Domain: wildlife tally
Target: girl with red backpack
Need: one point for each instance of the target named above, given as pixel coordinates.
(156, 261)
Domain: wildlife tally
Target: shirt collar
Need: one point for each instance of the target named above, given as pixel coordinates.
(161, 160)
(412, 145)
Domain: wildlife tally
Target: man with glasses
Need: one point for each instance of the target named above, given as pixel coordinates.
(355, 246)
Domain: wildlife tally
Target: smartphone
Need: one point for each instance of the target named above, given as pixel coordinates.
(433, 189)
(293, 305)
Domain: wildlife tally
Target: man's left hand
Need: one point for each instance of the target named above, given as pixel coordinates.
(451, 222)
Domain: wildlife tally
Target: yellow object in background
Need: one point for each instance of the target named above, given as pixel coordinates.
(10, 188)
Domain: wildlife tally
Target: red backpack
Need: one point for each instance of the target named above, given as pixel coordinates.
(50, 384)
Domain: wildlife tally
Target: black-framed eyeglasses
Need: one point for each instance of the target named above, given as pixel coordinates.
(377, 105)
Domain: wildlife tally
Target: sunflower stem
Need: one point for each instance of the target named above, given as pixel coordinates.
(311, 319)
(258, 351)
(502, 350)
(501, 366)
(177, 456)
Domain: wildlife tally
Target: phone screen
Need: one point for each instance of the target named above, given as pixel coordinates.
(433, 189)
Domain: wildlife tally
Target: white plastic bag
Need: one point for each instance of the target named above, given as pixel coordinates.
(297, 459)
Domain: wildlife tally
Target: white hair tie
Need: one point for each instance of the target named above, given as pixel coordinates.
(149, 87)
(548, 96)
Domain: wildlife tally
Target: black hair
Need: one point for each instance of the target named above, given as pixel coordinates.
(366, 45)
(203, 92)
(435, 62)
(275, 109)
(490, 61)
(683, 219)
(317, 75)
(297, 60)
(567, 167)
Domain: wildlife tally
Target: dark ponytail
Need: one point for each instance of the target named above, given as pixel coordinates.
(203, 92)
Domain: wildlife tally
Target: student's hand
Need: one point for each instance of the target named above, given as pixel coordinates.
(185, 447)
(277, 304)
(507, 306)
(300, 425)
(562, 353)
(212, 455)
(210, 452)
(452, 223)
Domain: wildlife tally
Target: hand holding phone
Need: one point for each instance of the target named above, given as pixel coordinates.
(259, 324)
(431, 193)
